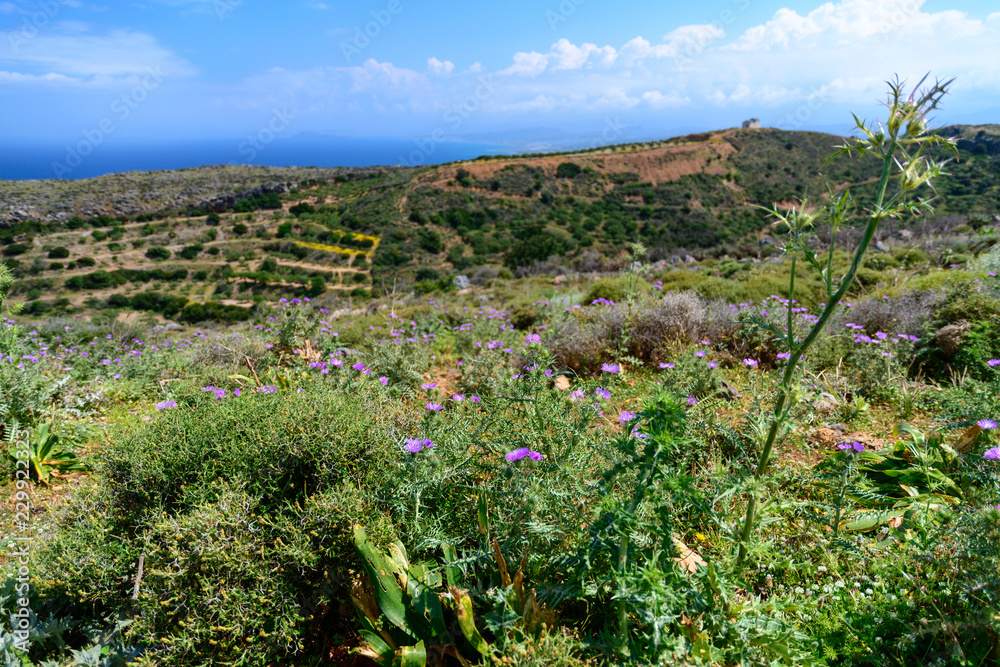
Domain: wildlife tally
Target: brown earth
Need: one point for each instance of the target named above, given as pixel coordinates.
(657, 165)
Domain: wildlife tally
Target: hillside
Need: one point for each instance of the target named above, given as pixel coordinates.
(233, 236)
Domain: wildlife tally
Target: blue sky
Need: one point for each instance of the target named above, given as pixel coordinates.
(520, 72)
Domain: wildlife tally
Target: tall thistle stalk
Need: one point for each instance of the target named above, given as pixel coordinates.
(902, 143)
(9, 332)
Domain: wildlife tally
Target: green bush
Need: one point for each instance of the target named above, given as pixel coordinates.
(58, 253)
(190, 252)
(16, 249)
(157, 253)
(243, 508)
(568, 170)
(214, 312)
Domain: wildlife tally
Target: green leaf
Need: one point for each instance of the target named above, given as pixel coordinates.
(862, 522)
(453, 573)
(376, 649)
(411, 656)
(467, 621)
(404, 599)
(388, 593)
(484, 520)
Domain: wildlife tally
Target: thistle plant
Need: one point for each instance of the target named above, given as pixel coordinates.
(9, 332)
(908, 152)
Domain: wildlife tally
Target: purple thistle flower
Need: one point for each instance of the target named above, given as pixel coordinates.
(784, 355)
(428, 385)
(533, 338)
(667, 365)
(626, 416)
(236, 393)
(713, 364)
(458, 397)
(576, 395)
(267, 389)
(993, 363)
(358, 366)
(522, 453)
(475, 399)
(986, 424)
(611, 368)
(992, 454)
(414, 445)
(336, 362)
(750, 363)
(700, 353)
(692, 401)
(384, 380)
(435, 406)
(160, 407)
(602, 393)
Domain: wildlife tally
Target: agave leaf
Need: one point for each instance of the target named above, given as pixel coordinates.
(411, 656)
(467, 621)
(376, 649)
(453, 574)
(426, 605)
(388, 594)
(407, 602)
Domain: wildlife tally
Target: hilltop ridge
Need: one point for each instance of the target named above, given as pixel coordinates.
(232, 234)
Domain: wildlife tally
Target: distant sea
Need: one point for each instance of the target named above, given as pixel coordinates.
(85, 160)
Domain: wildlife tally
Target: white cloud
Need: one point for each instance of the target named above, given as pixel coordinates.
(853, 21)
(440, 68)
(527, 64)
(567, 55)
(80, 55)
(659, 100)
(7, 8)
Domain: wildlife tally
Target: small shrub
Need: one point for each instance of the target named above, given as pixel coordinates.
(16, 249)
(157, 253)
